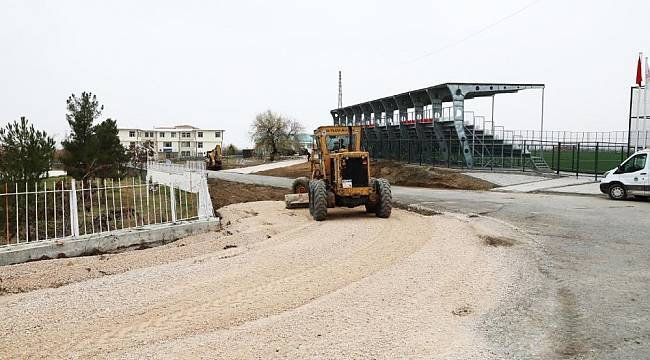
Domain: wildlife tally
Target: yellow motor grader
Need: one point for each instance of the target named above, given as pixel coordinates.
(340, 175)
(214, 159)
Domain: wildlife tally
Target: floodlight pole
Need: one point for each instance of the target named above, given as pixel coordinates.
(541, 130)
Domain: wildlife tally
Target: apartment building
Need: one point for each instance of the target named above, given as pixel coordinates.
(182, 141)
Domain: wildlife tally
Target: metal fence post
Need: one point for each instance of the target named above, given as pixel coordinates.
(523, 158)
(449, 154)
(553, 162)
(559, 149)
(596, 162)
(578, 161)
(74, 215)
(491, 153)
(573, 156)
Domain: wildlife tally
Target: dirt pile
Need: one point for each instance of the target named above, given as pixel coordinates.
(426, 176)
(401, 174)
(225, 193)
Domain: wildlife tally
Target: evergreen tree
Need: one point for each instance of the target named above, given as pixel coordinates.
(110, 154)
(25, 154)
(91, 150)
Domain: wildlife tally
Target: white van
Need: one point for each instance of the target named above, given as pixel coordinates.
(629, 178)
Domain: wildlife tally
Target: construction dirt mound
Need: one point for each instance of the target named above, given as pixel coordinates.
(225, 193)
(401, 174)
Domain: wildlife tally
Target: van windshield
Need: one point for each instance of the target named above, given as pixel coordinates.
(634, 164)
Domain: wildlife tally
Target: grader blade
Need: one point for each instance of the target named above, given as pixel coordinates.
(295, 201)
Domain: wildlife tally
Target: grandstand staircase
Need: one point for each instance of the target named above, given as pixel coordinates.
(540, 164)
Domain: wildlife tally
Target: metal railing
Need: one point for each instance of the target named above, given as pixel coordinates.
(564, 136)
(48, 210)
(519, 154)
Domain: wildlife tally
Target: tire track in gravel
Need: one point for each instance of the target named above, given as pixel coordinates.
(259, 287)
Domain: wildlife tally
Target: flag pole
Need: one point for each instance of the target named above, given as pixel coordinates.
(645, 105)
(638, 107)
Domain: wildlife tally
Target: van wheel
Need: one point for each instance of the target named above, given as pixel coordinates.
(617, 192)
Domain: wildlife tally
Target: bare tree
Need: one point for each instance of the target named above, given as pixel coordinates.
(139, 153)
(273, 132)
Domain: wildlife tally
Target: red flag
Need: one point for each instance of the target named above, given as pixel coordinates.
(639, 77)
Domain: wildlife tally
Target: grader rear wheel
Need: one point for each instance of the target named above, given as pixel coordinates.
(385, 203)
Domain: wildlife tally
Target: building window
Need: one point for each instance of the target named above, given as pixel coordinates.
(186, 153)
(185, 144)
(186, 135)
(131, 133)
(173, 134)
(217, 134)
(132, 144)
(167, 144)
(148, 134)
(199, 145)
(161, 134)
(199, 134)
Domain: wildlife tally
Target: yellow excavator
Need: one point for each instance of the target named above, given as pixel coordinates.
(214, 159)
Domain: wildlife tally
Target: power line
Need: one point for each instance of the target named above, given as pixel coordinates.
(471, 35)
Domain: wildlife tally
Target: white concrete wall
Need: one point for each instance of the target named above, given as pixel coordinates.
(187, 179)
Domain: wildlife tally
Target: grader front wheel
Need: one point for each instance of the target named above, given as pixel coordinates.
(300, 185)
(318, 200)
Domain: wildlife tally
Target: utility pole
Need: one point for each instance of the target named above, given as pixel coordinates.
(340, 105)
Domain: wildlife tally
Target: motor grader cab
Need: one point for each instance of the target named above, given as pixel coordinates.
(340, 175)
(214, 159)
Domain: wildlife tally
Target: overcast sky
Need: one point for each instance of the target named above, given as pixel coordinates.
(215, 64)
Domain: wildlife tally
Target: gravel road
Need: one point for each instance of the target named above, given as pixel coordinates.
(275, 284)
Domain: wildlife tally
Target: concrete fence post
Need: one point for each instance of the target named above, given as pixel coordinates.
(74, 214)
(205, 203)
(172, 201)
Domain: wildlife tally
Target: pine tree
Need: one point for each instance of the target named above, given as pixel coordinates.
(91, 150)
(25, 153)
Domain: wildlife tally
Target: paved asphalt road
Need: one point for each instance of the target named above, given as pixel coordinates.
(596, 266)
(594, 299)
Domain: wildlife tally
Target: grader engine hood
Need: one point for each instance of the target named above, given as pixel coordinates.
(352, 172)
